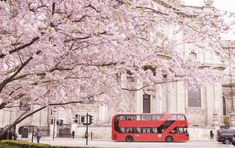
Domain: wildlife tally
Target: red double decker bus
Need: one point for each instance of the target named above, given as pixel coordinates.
(150, 127)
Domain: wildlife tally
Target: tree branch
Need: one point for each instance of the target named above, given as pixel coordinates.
(21, 47)
(3, 105)
(7, 80)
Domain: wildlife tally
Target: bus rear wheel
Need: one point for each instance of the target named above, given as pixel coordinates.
(168, 139)
(129, 138)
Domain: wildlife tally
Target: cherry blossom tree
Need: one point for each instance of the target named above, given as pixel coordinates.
(56, 52)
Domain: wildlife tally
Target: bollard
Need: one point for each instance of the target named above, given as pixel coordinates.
(91, 135)
(8, 134)
(32, 134)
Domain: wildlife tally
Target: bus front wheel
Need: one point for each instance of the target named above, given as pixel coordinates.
(226, 141)
(168, 139)
(129, 139)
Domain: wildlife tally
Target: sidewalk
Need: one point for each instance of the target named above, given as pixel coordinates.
(69, 141)
(95, 142)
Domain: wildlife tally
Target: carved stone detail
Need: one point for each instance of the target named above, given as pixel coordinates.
(196, 110)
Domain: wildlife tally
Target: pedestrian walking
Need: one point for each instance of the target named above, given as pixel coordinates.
(37, 136)
(73, 134)
(14, 136)
(211, 135)
(233, 140)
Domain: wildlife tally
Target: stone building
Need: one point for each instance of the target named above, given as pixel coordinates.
(205, 107)
(229, 82)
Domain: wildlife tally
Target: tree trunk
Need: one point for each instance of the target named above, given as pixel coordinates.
(19, 119)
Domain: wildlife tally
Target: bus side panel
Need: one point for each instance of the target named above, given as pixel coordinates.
(141, 137)
(180, 137)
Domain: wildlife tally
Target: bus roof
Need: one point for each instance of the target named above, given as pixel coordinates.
(148, 114)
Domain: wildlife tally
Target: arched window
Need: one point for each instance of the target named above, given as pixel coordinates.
(193, 55)
(194, 97)
(24, 106)
(146, 103)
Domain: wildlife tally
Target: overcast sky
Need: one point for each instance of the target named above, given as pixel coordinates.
(228, 5)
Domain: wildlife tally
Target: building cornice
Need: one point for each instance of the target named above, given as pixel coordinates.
(215, 66)
(179, 8)
(228, 44)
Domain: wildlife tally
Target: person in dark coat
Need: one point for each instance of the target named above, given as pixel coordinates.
(14, 136)
(38, 136)
(73, 134)
(233, 140)
(211, 135)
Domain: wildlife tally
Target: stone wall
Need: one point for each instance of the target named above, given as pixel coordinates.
(197, 133)
(196, 116)
(98, 132)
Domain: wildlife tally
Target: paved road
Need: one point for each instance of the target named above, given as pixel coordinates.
(112, 144)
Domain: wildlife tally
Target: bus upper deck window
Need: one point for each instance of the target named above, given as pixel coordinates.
(121, 117)
(131, 117)
(173, 117)
(181, 117)
(156, 117)
(146, 117)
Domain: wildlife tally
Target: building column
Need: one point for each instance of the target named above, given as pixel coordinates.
(180, 97)
(171, 97)
(218, 104)
(104, 114)
(36, 116)
(158, 100)
(232, 119)
(210, 104)
(164, 98)
(107, 113)
(232, 98)
(139, 97)
(176, 97)
(101, 114)
(5, 117)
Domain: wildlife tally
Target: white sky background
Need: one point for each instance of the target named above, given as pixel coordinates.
(223, 5)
